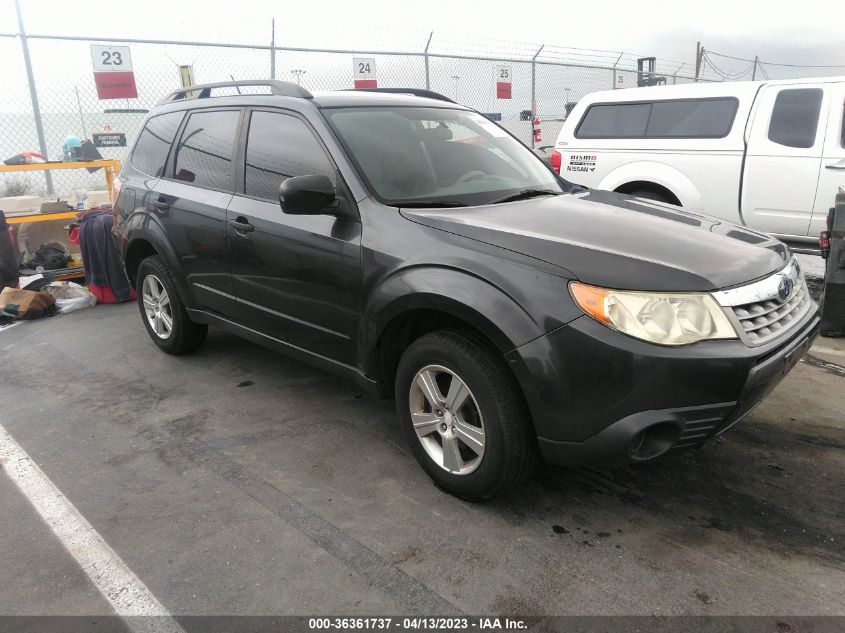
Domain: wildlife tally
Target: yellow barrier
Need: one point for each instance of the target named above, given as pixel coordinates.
(110, 167)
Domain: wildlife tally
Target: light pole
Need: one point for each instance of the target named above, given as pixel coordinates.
(297, 73)
(457, 78)
(566, 110)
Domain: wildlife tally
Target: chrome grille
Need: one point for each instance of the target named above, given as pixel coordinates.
(764, 320)
(760, 313)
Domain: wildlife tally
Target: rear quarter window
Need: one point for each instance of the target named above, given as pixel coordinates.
(671, 118)
(153, 145)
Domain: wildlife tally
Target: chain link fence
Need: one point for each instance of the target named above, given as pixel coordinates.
(545, 81)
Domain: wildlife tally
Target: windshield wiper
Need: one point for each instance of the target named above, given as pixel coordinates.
(429, 204)
(531, 192)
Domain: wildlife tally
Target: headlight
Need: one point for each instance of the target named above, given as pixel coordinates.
(664, 318)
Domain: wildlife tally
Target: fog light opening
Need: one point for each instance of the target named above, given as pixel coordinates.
(653, 441)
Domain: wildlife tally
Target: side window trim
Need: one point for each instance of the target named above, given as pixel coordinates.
(171, 158)
(240, 184)
(652, 102)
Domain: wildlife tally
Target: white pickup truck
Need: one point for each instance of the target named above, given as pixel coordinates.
(769, 155)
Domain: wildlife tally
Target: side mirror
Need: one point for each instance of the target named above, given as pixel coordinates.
(307, 195)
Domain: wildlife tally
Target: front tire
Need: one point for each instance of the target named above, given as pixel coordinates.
(162, 310)
(463, 415)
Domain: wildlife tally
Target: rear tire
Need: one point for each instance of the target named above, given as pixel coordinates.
(477, 442)
(162, 311)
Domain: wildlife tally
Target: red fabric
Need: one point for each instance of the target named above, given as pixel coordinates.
(105, 295)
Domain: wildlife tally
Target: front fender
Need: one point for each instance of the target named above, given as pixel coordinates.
(658, 173)
(458, 293)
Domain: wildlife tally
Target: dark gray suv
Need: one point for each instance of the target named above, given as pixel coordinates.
(406, 242)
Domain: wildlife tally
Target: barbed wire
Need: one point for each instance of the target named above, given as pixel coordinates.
(768, 63)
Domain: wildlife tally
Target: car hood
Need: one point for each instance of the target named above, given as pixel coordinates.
(619, 241)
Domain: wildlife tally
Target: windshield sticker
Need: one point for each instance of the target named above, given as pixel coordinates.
(488, 126)
(581, 162)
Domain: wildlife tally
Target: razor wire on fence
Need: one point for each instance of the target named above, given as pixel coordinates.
(544, 83)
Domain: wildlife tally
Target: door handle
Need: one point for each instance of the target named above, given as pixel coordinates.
(839, 165)
(160, 204)
(241, 225)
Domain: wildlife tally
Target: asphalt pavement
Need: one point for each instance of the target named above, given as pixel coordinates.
(237, 481)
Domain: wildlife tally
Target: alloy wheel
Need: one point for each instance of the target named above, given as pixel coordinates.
(157, 306)
(447, 420)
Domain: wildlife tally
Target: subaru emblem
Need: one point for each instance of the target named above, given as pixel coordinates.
(785, 287)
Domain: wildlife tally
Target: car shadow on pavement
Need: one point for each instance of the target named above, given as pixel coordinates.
(765, 482)
(760, 483)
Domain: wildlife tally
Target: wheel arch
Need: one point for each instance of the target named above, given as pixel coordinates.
(437, 299)
(149, 239)
(653, 176)
(137, 251)
(645, 185)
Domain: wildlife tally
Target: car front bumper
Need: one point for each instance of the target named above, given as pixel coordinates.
(598, 396)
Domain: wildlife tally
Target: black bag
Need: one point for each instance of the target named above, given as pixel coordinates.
(50, 256)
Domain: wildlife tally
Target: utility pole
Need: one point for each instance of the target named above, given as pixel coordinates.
(33, 95)
(754, 72)
(699, 54)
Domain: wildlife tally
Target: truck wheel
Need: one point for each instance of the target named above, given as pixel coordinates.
(650, 195)
(163, 312)
(463, 415)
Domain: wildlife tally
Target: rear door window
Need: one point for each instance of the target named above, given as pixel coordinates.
(204, 153)
(278, 147)
(795, 117)
(153, 146)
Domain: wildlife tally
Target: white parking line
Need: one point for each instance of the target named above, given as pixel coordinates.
(112, 577)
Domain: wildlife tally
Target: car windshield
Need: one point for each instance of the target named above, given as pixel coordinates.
(439, 157)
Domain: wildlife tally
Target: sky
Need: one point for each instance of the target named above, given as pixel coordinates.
(585, 33)
(806, 32)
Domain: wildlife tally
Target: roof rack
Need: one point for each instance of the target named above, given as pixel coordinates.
(417, 92)
(203, 91)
